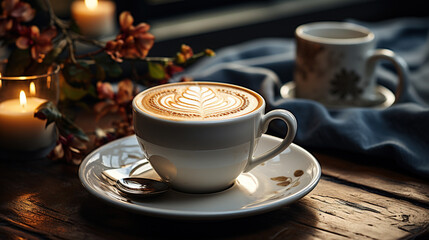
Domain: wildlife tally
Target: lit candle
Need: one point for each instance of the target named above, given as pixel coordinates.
(94, 18)
(32, 89)
(19, 129)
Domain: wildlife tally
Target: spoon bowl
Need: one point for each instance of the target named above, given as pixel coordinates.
(141, 187)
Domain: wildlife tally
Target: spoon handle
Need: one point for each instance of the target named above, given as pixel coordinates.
(126, 171)
(137, 165)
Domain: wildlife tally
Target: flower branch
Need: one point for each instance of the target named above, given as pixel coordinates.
(54, 20)
(34, 50)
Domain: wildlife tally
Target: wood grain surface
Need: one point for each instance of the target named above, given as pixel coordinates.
(44, 199)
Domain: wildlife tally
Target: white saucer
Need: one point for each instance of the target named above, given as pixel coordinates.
(268, 186)
(384, 98)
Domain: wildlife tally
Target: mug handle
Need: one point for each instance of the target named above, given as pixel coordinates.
(399, 63)
(290, 121)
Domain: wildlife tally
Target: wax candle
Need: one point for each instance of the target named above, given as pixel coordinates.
(94, 18)
(19, 129)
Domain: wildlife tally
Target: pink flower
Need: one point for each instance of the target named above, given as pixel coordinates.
(105, 91)
(184, 55)
(132, 42)
(209, 52)
(39, 42)
(186, 51)
(14, 12)
(20, 11)
(125, 92)
(115, 102)
(69, 148)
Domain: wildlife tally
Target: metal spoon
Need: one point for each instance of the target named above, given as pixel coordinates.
(141, 187)
(123, 180)
(138, 167)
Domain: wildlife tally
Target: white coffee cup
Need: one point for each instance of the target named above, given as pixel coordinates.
(204, 155)
(335, 63)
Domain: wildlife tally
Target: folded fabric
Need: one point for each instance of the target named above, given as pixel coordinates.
(396, 135)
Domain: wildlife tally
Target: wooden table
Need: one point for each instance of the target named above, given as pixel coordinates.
(355, 199)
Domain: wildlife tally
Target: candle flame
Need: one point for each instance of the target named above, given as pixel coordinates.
(48, 81)
(91, 4)
(0, 82)
(22, 99)
(32, 89)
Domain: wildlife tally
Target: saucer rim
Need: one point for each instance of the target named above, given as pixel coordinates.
(387, 93)
(202, 215)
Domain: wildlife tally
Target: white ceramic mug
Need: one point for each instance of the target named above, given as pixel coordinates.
(335, 63)
(201, 156)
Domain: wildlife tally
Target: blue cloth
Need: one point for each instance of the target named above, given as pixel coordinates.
(395, 135)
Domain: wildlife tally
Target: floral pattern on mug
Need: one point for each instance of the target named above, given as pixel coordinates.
(345, 83)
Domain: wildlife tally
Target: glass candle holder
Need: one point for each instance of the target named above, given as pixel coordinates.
(20, 96)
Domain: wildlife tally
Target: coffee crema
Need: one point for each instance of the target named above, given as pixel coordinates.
(198, 101)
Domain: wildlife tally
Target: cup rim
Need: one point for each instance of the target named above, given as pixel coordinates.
(205, 122)
(302, 32)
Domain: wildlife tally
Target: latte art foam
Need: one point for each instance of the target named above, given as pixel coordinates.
(198, 101)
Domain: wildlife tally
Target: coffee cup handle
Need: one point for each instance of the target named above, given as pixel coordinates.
(399, 63)
(290, 121)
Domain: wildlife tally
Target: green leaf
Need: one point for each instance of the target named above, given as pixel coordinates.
(111, 68)
(77, 75)
(92, 91)
(66, 126)
(70, 92)
(47, 111)
(52, 55)
(156, 70)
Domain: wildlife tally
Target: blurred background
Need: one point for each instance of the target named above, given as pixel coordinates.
(218, 23)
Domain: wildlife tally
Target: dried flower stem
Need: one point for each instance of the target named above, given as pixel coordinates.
(94, 42)
(54, 20)
(195, 57)
(158, 59)
(170, 59)
(90, 54)
(71, 37)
